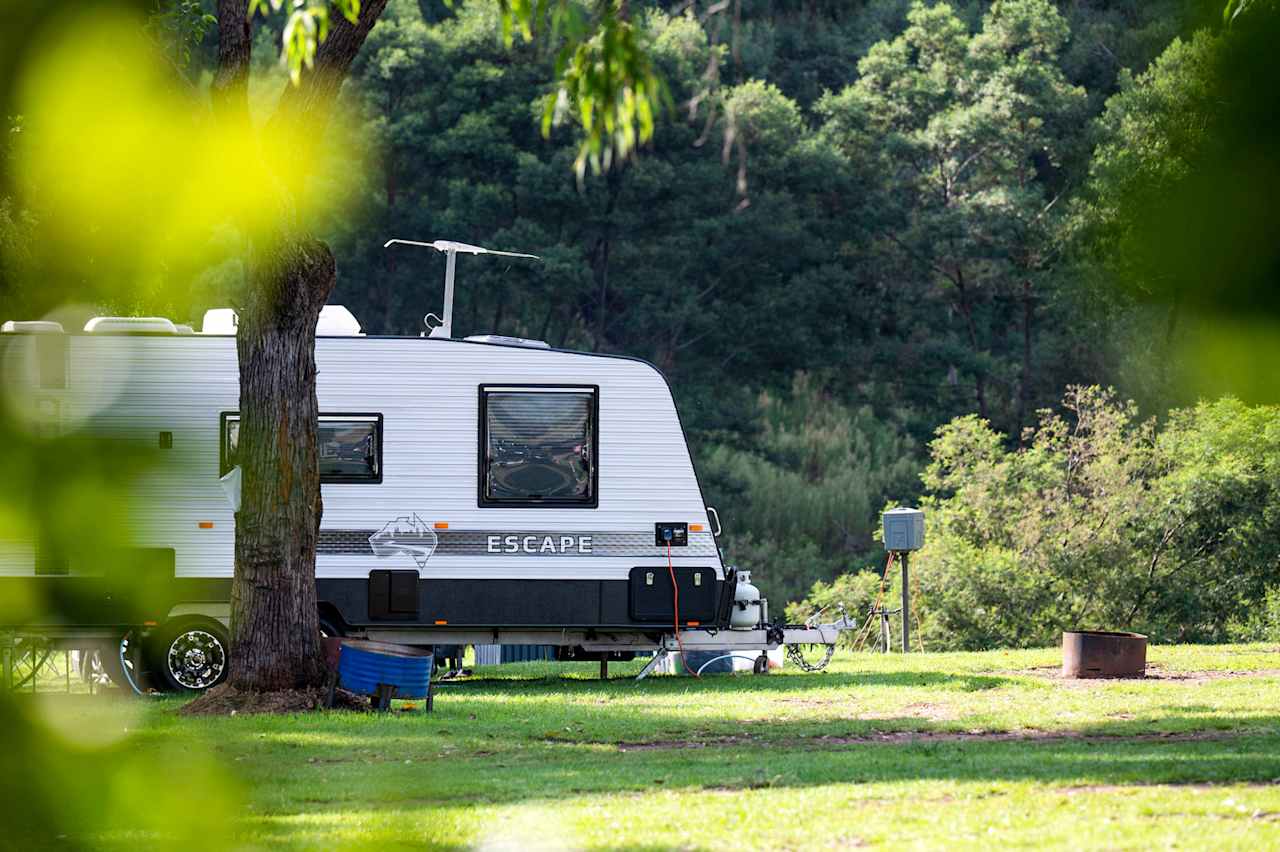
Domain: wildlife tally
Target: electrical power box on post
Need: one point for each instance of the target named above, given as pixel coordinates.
(903, 529)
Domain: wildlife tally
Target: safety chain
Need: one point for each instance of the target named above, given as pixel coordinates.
(797, 657)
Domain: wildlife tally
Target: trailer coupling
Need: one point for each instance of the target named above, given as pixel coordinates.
(752, 644)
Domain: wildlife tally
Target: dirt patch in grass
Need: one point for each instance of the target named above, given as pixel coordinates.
(1155, 672)
(814, 702)
(226, 700)
(919, 710)
(912, 737)
(1201, 786)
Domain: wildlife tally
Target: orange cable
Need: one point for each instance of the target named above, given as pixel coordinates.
(865, 632)
(676, 592)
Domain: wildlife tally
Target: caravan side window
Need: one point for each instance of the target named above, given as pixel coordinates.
(349, 445)
(538, 446)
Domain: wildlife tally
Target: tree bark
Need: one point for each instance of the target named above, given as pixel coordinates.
(1024, 387)
(318, 92)
(275, 642)
(966, 310)
(275, 632)
(230, 95)
(613, 184)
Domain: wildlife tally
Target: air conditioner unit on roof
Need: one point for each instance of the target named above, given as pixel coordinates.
(130, 325)
(31, 327)
(220, 321)
(335, 321)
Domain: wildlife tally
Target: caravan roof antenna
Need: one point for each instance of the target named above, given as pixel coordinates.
(451, 249)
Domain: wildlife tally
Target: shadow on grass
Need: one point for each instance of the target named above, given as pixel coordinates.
(555, 774)
(498, 742)
(506, 755)
(516, 745)
(735, 683)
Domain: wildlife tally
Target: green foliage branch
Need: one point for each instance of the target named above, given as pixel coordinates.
(605, 78)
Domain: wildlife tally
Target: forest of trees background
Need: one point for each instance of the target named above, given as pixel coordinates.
(860, 221)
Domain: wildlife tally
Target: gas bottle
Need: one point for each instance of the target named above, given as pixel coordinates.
(746, 604)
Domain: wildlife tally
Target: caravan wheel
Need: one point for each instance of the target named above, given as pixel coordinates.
(192, 656)
(101, 665)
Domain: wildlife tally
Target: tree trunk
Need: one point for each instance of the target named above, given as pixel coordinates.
(275, 633)
(275, 642)
(319, 90)
(966, 311)
(1024, 387)
(613, 183)
(230, 91)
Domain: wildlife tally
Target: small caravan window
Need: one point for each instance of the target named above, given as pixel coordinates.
(349, 446)
(538, 446)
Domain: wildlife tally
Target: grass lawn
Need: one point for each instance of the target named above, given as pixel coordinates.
(931, 750)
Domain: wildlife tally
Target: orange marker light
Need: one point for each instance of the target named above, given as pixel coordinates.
(442, 525)
(695, 527)
(205, 525)
(441, 621)
(693, 623)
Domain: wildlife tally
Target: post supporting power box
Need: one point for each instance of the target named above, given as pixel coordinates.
(903, 533)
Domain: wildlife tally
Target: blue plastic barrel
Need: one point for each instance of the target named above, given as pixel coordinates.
(363, 666)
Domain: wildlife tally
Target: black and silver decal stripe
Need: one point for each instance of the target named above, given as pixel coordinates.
(472, 543)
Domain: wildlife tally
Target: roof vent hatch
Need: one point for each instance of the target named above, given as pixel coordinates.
(503, 340)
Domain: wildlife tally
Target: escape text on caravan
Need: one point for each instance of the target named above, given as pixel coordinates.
(540, 544)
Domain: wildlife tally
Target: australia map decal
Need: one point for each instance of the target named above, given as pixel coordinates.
(408, 535)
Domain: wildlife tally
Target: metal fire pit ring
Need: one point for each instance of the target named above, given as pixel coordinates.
(1103, 653)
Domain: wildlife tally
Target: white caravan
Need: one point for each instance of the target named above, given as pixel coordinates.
(482, 490)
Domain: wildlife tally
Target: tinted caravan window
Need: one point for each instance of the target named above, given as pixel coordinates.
(538, 446)
(349, 446)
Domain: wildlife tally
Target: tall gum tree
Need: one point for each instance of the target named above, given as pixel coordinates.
(606, 84)
(275, 641)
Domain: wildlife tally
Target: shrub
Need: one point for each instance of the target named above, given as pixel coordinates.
(1101, 519)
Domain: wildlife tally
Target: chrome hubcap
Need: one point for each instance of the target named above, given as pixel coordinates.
(197, 659)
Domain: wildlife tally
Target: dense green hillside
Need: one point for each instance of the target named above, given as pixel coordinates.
(857, 221)
(849, 230)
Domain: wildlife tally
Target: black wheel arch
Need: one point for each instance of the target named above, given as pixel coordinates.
(331, 621)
